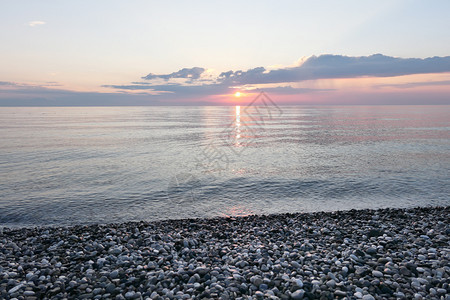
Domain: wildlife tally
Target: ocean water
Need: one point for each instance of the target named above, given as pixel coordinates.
(78, 165)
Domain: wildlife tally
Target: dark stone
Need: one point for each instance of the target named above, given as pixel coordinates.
(385, 289)
(404, 271)
(375, 233)
(361, 272)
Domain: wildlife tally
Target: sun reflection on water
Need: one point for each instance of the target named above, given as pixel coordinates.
(237, 211)
(237, 128)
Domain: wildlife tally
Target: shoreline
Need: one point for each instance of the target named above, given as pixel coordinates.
(368, 254)
(14, 227)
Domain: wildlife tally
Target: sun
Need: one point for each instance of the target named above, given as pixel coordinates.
(237, 94)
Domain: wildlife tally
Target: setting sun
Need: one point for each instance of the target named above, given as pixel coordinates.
(237, 94)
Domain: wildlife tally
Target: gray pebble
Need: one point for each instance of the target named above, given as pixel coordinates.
(328, 255)
(298, 294)
(377, 273)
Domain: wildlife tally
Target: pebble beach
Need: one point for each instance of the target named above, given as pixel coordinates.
(355, 254)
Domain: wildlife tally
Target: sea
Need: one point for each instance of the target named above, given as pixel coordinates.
(84, 165)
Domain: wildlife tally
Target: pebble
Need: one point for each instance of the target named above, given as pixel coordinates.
(201, 270)
(421, 257)
(298, 294)
(404, 271)
(331, 283)
(29, 293)
(340, 293)
(19, 286)
(418, 296)
(377, 273)
(259, 294)
(110, 287)
(358, 254)
(114, 274)
(371, 251)
(298, 282)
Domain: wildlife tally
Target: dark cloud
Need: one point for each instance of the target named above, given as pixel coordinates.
(226, 75)
(255, 75)
(338, 66)
(316, 67)
(188, 73)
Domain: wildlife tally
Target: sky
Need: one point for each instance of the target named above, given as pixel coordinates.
(82, 53)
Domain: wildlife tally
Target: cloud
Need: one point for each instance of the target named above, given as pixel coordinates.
(7, 83)
(35, 23)
(21, 94)
(26, 95)
(211, 89)
(52, 83)
(289, 90)
(251, 76)
(196, 85)
(15, 85)
(415, 84)
(325, 66)
(187, 73)
(337, 66)
(178, 89)
(47, 97)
